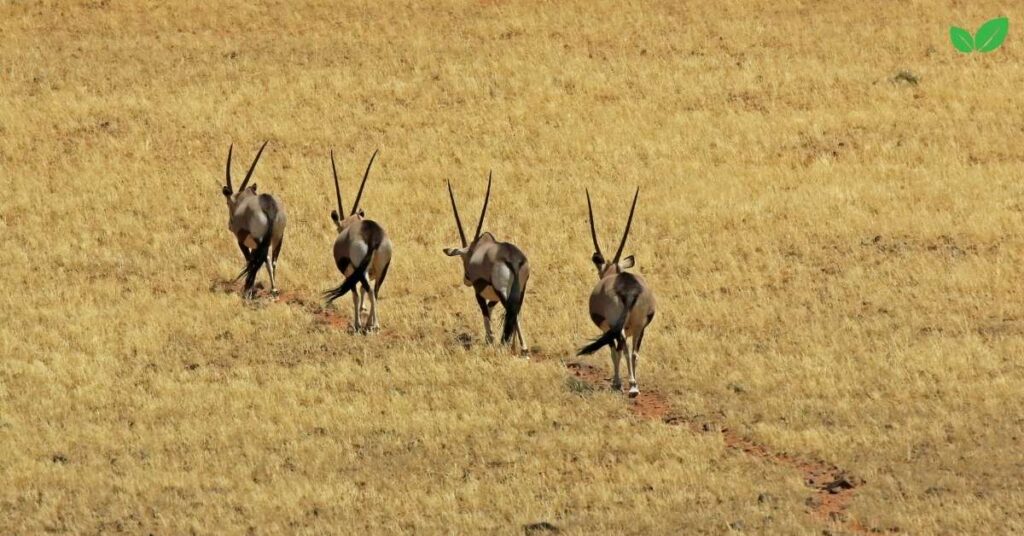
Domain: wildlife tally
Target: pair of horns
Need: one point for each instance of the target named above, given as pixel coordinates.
(483, 212)
(337, 187)
(252, 167)
(629, 223)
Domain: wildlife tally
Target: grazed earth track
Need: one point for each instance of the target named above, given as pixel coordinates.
(312, 306)
(833, 488)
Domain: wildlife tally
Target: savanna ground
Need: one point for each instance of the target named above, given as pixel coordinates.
(836, 251)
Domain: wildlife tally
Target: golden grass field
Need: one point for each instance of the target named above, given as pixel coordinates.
(837, 256)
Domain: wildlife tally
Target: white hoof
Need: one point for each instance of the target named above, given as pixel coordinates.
(634, 391)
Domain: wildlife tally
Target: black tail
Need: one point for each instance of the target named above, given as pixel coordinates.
(513, 304)
(374, 237)
(628, 290)
(351, 281)
(262, 251)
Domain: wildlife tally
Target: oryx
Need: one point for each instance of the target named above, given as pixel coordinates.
(497, 271)
(621, 304)
(258, 222)
(362, 252)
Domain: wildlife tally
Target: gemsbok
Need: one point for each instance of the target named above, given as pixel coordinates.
(621, 304)
(497, 271)
(362, 252)
(258, 222)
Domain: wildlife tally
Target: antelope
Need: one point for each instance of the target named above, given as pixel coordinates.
(258, 222)
(362, 252)
(497, 271)
(621, 304)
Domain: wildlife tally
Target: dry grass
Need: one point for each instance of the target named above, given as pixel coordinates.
(837, 255)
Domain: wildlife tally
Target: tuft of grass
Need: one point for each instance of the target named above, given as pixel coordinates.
(906, 77)
(578, 386)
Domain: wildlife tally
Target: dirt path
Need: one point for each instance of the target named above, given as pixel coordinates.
(312, 306)
(833, 488)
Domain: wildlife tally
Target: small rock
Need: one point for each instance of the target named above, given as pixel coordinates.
(59, 458)
(540, 527)
(765, 498)
(737, 388)
(842, 482)
(907, 77)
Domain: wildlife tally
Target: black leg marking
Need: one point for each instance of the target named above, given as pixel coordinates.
(380, 280)
(245, 251)
(479, 285)
(485, 308)
(639, 340)
(277, 249)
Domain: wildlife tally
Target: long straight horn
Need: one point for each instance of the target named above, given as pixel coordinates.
(227, 171)
(337, 189)
(483, 212)
(359, 196)
(248, 174)
(629, 222)
(458, 222)
(593, 231)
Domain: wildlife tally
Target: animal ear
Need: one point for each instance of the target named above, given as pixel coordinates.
(334, 216)
(452, 252)
(226, 191)
(361, 213)
(598, 260)
(627, 263)
(253, 187)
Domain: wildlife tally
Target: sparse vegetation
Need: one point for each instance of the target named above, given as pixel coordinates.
(580, 387)
(837, 260)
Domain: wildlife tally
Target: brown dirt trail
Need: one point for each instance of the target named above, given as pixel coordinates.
(833, 488)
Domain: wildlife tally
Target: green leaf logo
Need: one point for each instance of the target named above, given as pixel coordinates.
(961, 39)
(991, 34)
(988, 38)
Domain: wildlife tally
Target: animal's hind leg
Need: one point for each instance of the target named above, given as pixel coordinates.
(374, 324)
(271, 269)
(636, 354)
(245, 251)
(380, 279)
(631, 367)
(485, 309)
(616, 357)
(522, 342)
(277, 250)
(272, 265)
(355, 310)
